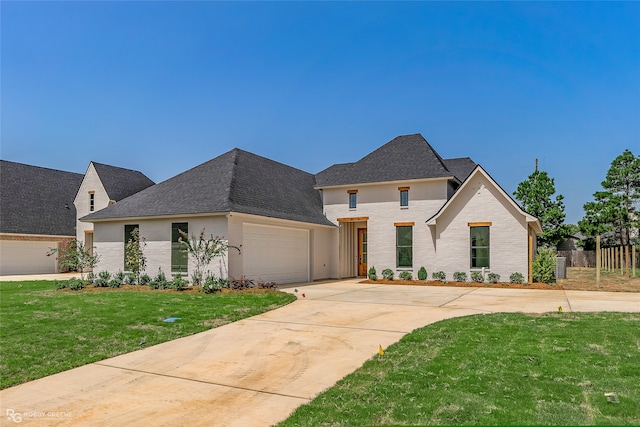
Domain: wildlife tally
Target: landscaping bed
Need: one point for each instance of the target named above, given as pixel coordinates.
(466, 284)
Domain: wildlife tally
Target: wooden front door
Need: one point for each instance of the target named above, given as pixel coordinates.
(362, 251)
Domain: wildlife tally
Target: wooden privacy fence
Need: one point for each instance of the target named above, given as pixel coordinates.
(620, 259)
(579, 258)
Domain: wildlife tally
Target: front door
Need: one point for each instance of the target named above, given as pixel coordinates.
(362, 251)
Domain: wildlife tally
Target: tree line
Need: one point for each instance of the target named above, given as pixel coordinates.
(612, 214)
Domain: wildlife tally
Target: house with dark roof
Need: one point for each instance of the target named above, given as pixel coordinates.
(36, 215)
(400, 207)
(104, 185)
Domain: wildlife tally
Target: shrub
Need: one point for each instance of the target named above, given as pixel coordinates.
(544, 266)
(493, 277)
(422, 274)
(91, 277)
(119, 276)
(160, 281)
(179, 283)
(115, 283)
(405, 275)
(516, 278)
(60, 284)
(243, 283)
(75, 284)
(372, 274)
(387, 273)
(459, 276)
(145, 279)
(130, 279)
(477, 277)
(102, 281)
(214, 284)
(439, 275)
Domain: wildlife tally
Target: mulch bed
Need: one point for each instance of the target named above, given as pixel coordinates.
(501, 285)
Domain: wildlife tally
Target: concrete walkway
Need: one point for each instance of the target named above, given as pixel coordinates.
(255, 372)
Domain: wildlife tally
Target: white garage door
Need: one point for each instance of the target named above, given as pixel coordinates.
(26, 257)
(275, 254)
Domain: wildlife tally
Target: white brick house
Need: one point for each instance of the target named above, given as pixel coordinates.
(400, 207)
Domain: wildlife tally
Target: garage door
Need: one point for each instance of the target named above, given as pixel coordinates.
(26, 257)
(275, 254)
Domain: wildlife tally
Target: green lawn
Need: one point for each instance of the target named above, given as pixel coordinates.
(44, 331)
(500, 369)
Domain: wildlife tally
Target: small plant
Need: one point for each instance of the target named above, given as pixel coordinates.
(60, 284)
(459, 276)
(493, 277)
(477, 277)
(119, 276)
(203, 251)
(214, 284)
(372, 274)
(130, 279)
(115, 283)
(91, 277)
(179, 283)
(422, 274)
(516, 278)
(439, 275)
(102, 281)
(75, 284)
(160, 281)
(387, 274)
(145, 279)
(405, 275)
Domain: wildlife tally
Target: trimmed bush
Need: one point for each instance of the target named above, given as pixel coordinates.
(115, 283)
(387, 274)
(476, 276)
(459, 276)
(145, 279)
(405, 275)
(516, 278)
(493, 277)
(544, 266)
(439, 275)
(160, 281)
(422, 274)
(372, 274)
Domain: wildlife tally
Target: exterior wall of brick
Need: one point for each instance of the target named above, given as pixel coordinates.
(90, 183)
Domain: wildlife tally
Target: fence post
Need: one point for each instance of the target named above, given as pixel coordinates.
(633, 260)
(598, 261)
(626, 260)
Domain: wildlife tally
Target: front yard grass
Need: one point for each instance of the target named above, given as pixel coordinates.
(499, 369)
(45, 331)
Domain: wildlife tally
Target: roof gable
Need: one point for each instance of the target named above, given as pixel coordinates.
(37, 200)
(403, 158)
(120, 183)
(237, 181)
(530, 219)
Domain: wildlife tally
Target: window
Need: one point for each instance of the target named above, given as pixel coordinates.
(404, 197)
(128, 230)
(353, 194)
(404, 246)
(179, 255)
(479, 246)
(92, 201)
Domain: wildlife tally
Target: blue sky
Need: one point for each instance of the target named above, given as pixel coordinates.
(163, 86)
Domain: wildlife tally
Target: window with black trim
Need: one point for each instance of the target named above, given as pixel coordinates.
(353, 198)
(404, 198)
(179, 255)
(404, 246)
(480, 246)
(92, 201)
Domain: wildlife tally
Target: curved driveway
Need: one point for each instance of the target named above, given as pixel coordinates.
(255, 372)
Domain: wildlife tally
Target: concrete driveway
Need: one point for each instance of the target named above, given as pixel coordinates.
(255, 372)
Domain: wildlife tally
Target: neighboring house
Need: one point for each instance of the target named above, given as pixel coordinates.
(36, 215)
(400, 207)
(102, 186)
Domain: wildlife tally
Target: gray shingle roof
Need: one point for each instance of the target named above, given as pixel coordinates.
(461, 167)
(403, 158)
(37, 200)
(120, 182)
(237, 181)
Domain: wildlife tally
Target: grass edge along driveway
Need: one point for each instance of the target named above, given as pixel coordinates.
(496, 369)
(45, 331)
